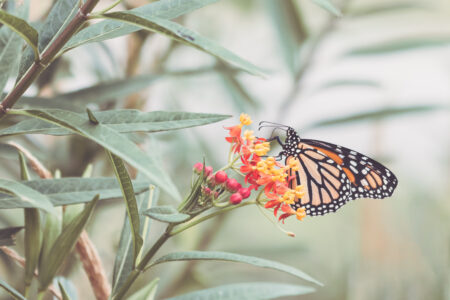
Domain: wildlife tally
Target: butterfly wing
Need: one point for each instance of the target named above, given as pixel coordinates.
(327, 186)
(323, 164)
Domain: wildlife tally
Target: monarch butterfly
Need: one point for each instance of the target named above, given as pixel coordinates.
(332, 175)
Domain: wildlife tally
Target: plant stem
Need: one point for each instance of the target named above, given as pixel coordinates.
(143, 263)
(211, 215)
(41, 63)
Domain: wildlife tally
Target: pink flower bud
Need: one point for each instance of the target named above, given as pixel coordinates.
(236, 198)
(207, 191)
(232, 185)
(245, 192)
(198, 167)
(221, 177)
(208, 171)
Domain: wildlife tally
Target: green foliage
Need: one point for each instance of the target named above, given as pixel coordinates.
(147, 292)
(123, 121)
(67, 191)
(185, 36)
(111, 140)
(225, 256)
(13, 292)
(22, 28)
(108, 29)
(130, 202)
(253, 290)
(166, 214)
(49, 264)
(328, 6)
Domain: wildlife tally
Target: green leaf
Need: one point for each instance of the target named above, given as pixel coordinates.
(68, 290)
(186, 36)
(349, 82)
(26, 194)
(399, 45)
(9, 56)
(123, 263)
(12, 291)
(123, 121)
(22, 28)
(61, 13)
(108, 29)
(226, 256)
(110, 140)
(166, 214)
(29, 102)
(130, 200)
(147, 292)
(7, 235)
(251, 290)
(52, 229)
(63, 245)
(377, 115)
(67, 191)
(393, 7)
(290, 28)
(328, 6)
(33, 240)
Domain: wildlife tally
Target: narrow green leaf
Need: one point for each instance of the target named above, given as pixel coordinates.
(63, 245)
(349, 82)
(226, 256)
(110, 140)
(26, 194)
(251, 290)
(123, 263)
(12, 291)
(399, 45)
(130, 200)
(52, 229)
(147, 292)
(328, 6)
(64, 294)
(108, 29)
(68, 289)
(166, 214)
(182, 34)
(291, 30)
(32, 242)
(22, 28)
(10, 53)
(61, 13)
(7, 235)
(32, 221)
(393, 7)
(377, 115)
(68, 191)
(123, 121)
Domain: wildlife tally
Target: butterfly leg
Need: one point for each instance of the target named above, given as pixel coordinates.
(277, 138)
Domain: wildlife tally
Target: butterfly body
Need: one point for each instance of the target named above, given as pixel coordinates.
(332, 175)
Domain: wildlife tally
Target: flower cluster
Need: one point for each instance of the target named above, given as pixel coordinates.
(247, 158)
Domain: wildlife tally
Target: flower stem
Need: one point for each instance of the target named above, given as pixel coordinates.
(143, 263)
(211, 215)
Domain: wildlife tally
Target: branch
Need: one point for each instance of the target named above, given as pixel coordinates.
(47, 57)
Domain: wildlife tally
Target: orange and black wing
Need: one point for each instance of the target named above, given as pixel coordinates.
(344, 175)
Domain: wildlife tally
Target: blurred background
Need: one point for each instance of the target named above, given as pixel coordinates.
(376, 80)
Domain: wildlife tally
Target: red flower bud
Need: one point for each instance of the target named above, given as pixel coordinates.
(232, 185)
(236, 198)
(211, 181)
(198, 167)
(221, 177)
(245, 192)
(207, 191)
(208, 171)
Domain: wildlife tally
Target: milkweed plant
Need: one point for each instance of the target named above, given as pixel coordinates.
(56, 209)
